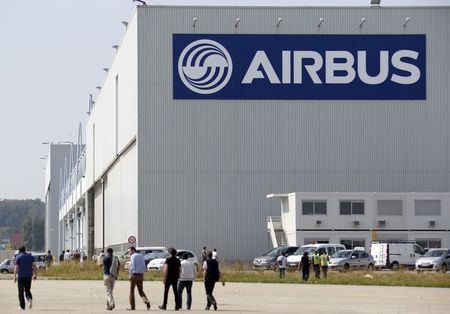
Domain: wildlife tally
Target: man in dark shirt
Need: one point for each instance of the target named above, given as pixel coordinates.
(211, 276)
(25, 270)
(61, 257)
(304, 266)
(171, 275)
(110, 274)
(48, 259)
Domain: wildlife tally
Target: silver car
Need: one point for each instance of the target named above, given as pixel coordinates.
(7, 266)
(434, 259)
(351, 259)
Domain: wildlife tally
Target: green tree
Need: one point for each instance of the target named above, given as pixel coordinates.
(27, 233)
(38, 234)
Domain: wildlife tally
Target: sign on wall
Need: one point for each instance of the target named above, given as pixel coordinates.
(208, 66)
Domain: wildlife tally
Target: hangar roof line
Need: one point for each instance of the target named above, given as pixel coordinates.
(293, 3)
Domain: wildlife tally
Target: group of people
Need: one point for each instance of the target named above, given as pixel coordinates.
(319, 261)
(178, 275)
(75, 256)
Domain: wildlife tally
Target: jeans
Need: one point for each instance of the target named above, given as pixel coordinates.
(317, 271)
(137, 280)
(209, 288)
(324, 271)
(305, 272)
(181, 285)
(24, 286)
(171, 282)
(282, 271)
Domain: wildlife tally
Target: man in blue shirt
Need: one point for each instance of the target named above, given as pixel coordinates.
(136, 275)
(110, 273)
(25, 270)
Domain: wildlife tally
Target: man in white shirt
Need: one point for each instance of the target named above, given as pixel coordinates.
(187, 276)
(67, 256)
(214, 254)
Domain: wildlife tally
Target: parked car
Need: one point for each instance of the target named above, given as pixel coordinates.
(269, 260)
(394, 254)
(351, 259)
(158, 263)
(39, 259)
(434, 259)
(151, 256)
(144, 251)
(7, 266)
(330, 248)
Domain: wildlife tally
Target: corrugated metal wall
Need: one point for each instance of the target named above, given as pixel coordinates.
(206, 166)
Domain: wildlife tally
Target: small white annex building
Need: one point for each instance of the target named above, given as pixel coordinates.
(356, 219)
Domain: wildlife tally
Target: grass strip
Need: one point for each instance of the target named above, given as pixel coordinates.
(239, 273)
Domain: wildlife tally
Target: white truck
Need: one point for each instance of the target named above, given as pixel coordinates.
(395, 254)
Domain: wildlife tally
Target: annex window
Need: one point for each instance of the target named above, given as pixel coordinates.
(314, 208)
(352, 243)
(390, 207)
(429, 243)
(351, 207)
(428, 207)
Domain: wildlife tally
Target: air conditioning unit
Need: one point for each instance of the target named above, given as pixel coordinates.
(381, 223)
(318, 222)
(356, 222)
(431, 223)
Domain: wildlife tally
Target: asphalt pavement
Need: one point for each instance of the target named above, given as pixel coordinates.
(69, 296)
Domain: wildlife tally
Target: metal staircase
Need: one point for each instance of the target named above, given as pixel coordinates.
(276, 231)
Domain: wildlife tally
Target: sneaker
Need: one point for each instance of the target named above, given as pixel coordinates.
(30, 303)
(162, 307)
(20, 309)
(207, 308)
(148, 306)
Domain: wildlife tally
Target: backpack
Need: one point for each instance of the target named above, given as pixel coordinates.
(213, 273)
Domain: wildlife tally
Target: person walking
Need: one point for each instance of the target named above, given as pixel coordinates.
(324, 259)
(110, 273)
(61, 257)
(67, 256)
(24, 271)
(136, 276)
(204, 254)
(187, 276)
(304, 266)
(171, 274)
(211, 275)
(48, 259)
(281, 262)
(214, 254)
(316, 264)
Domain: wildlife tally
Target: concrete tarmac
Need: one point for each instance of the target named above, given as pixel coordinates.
(67, 296)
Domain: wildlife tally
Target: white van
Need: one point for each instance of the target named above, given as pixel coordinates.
(39, 260)
(330, 248)
(393, 254)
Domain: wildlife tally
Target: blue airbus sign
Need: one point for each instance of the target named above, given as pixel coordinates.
(207, 66)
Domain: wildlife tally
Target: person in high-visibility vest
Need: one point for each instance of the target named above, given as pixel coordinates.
(316, 264)
(324, 259)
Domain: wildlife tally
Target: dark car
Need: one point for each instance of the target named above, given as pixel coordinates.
(269, 259)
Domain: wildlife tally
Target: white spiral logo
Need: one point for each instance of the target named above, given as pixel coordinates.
(205, 66)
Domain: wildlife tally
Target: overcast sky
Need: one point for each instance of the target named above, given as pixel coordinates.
(52, 55)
